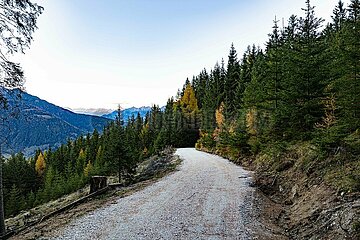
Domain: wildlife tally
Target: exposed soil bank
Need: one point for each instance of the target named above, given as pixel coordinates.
(310, 208)
(301, 202)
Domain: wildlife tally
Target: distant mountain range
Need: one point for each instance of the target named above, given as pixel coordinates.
(111, 114)
(30, 123)
(127, 113)
(92, 111)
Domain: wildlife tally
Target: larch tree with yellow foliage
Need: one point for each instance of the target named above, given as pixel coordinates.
(190, 111)
(88, 169)
(188, 101)
(40, 164)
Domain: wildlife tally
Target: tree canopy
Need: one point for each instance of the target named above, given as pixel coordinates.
(18, 21)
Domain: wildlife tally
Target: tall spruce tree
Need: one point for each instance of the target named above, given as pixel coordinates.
(348, 84)
(312, 71)
(116, 149)
(231, 83)
(305, 75)
(273, 59)
(246, 68)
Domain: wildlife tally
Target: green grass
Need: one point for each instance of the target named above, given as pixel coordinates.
(344, 177)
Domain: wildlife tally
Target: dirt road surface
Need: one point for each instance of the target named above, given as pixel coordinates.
(208, 198)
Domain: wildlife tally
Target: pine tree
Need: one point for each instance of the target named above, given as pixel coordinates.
(339, 17)
(31, 200)
(210, 104)
(259, 99)
(305, 76)
(231, 84)
(49, 184)
(80, 161)
(311, 68)
(99, 161)
(15, 202)
(247, 64)
(261, 96)
(18, 21)
(328, 127)
(348, 83)
(169, 123)
(200, 85)
(274, 72)
(116, 150)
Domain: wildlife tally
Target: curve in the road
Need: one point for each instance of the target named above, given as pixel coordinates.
(208, 198)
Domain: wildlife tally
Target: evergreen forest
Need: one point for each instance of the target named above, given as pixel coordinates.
(301, 89)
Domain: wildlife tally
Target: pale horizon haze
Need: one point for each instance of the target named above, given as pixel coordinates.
(98, 54)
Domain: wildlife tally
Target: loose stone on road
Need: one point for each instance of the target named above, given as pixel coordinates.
(208, 198)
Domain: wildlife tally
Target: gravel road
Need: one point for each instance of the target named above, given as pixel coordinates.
(208, 198)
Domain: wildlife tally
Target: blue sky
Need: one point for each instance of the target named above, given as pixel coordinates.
(98, 53)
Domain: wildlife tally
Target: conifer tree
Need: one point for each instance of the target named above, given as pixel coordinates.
(88, 169)
(348, 82)
(188, 101)
(261, 96)
(116, 151)
(40, 164)
(339, 16)
(311, 71)
(305, 75)
(258, 97)
(169, 123)
(15, 202)
(189, 118)
(81, 161)
(246, 67)
(209, 105)
(231, 83)
(273, 58)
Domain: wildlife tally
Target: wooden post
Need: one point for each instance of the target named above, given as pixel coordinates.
(97, 183)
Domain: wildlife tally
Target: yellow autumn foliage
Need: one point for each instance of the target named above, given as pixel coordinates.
(330, 107)
(40, 164)
(145, 151)
(82, 154)
(219, 115)
(232, 127)
(251, 121)
(188, 101)
(88, 168)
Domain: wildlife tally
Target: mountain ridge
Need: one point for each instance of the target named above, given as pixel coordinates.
(30, 123)
(128, 112)
(91, 111)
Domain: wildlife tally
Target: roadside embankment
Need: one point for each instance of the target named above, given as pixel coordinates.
(39, 221)
(311, 196)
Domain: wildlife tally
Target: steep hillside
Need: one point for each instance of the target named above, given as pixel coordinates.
(311, 194)
(30, 123)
